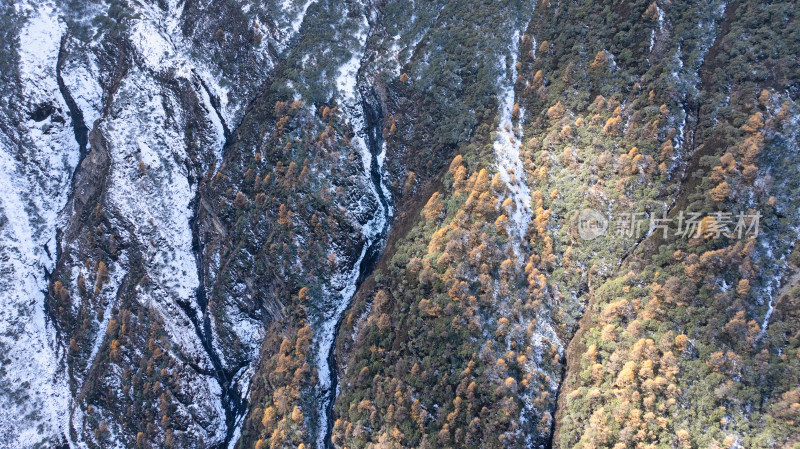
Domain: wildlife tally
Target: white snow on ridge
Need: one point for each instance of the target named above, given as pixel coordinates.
(156, 200)
(341, 288)
(82, 82)
(297, 22)
(507, 150)
(215, 121)
(346, 80)
(347, 75)
(159, 41)
(31, 360)
(34, 179)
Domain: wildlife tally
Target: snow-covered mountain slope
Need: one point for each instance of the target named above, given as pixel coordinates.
(39, 153)
(351, 223)
(131, 93)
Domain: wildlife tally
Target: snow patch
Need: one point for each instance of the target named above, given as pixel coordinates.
(297, 22)
(507, 149)
(35, 169)
(339, 292)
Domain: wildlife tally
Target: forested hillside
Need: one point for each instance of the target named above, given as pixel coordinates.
(427, 224)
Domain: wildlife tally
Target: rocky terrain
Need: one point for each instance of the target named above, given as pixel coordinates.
(346, 223)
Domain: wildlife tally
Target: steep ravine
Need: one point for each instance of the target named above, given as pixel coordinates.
(233, 402)
(368, 113)
(79, 126)
(234, 405)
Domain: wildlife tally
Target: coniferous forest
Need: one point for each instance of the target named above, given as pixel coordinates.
(400, 224)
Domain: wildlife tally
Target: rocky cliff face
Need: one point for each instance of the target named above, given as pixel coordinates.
(118, 113)
(325, 223)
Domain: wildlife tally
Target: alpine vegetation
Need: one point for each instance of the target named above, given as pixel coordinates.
(399, 224)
